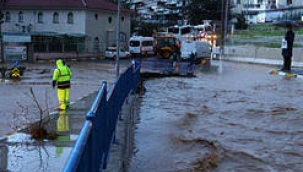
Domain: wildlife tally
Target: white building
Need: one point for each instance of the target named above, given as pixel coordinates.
(90, 25)
(260, 11)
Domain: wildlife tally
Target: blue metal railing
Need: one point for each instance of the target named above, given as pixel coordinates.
(92, 148)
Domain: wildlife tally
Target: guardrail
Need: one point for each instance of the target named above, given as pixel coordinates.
(92, 148)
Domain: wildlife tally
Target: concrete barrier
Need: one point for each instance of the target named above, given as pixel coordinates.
(260, 55)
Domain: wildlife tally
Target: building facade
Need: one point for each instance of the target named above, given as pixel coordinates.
(59, 26)
(261, 11)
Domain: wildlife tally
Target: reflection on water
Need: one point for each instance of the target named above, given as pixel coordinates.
(63, 129)
(3, 81)
(3, 157)
(23, 153)
(237, 118)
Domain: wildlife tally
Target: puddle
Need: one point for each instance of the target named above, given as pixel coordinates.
(19, 152)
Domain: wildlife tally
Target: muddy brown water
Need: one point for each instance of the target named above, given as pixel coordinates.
(234, 118)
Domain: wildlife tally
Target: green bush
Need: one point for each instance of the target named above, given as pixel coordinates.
(264, 30)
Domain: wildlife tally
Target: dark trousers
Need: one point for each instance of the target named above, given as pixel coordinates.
(287, 62)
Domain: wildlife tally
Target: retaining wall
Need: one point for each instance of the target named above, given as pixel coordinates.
(261, 54)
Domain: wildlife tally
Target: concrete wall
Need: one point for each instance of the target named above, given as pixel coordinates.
(261, 54)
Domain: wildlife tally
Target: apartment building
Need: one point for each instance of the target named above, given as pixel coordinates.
(164, 12)
(261, 11)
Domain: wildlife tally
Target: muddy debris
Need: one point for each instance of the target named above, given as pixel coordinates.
(210, 161)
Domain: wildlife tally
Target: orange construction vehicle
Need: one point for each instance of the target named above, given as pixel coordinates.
(166, 45)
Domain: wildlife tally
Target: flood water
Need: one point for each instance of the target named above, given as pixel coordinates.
(234, 118)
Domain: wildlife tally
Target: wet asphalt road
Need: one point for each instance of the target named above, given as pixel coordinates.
(17, 104)
(18, 151)
(236, 117)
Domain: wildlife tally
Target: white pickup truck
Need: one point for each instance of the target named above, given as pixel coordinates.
(202, 49)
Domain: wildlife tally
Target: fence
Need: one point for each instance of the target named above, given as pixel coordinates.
(91, 151)
(73, 47)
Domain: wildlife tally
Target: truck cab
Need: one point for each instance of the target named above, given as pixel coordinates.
(166, 45)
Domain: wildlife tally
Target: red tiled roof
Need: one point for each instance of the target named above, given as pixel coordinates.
(60, 4)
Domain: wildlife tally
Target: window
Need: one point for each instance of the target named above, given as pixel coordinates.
(56, 18)
(40, 17)
(109, 19)
(7, 17)
(134, 43)
(23, 28)
(147, 43)
(20, 16)
(29, 28)
(179, 30)
(289, 2)
(122, 36)
(173, 29)
(185, 30)
(96, 16)
(70, 18)
(96, 45)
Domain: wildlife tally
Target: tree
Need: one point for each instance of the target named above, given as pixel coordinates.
(200, 10)
(241, 22)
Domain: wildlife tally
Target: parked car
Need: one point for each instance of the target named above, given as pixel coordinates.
(111, 53)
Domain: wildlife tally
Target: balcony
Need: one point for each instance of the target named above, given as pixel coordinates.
(254, 6)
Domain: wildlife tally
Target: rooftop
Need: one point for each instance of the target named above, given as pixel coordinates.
(60, 4)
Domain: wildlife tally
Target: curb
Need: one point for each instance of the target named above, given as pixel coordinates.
(287, 75)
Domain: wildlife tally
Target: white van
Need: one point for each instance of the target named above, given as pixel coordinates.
(139, 45)
(202, 49)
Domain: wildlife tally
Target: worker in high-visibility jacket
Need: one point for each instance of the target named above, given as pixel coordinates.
(61, 78)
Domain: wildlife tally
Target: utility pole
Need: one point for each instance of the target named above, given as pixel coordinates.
(222, 26)
(1, 22)
(2, 3)
(224, 18)
(118, 40)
